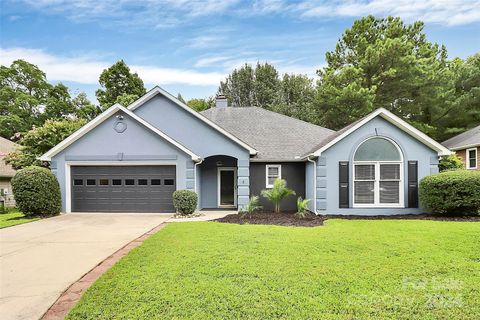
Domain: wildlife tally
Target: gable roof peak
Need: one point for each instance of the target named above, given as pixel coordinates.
(158, 90)
(388, 116)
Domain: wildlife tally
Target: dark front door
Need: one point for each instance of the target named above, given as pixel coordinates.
(123, 188)
(227, 187)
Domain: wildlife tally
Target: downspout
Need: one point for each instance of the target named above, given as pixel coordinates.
(314, 183)
(195, 173)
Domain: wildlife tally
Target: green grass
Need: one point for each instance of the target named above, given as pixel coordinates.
(347, 269)
(14, 217)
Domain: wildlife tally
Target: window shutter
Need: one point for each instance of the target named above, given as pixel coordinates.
(343, 186)
(413, 184)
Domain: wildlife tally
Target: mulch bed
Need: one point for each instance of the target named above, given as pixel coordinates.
(311, 220)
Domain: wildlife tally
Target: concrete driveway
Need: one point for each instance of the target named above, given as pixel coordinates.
(39, 260)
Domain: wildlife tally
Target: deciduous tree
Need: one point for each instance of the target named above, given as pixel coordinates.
(118, 81)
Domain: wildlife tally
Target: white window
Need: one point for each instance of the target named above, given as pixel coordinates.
(378, 174)
(273, 171)
(471, 158)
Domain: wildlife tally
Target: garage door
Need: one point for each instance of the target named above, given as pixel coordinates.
(123, 188)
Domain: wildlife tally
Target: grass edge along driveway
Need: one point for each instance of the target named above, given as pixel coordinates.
(391, 269)
(14, 217)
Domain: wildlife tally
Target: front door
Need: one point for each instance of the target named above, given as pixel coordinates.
(227, 195)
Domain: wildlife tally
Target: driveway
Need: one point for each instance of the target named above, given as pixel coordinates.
(39, 260)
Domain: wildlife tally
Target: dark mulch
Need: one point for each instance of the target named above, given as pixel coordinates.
(272, 218)
(311, 220)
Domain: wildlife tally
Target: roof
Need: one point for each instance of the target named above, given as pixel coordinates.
(276, 137)
(470, 138)
(101, 118)
(388, 116)
(159, 91)
(6, 146)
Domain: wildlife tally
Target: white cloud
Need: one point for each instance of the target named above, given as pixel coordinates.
(169, 13)
(146, 13)
(86, 69)
(211, 61)
(448, 12)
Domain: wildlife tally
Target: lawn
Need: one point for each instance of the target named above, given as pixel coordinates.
(14, 217)
(347, 269)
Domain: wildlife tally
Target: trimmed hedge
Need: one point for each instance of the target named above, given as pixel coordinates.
(185, 201)
(451, 192)
(36, 191)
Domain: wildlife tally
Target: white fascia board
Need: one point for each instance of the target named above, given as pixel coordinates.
(399, 123)
(101, 118)
(467, 146)
(157, 90)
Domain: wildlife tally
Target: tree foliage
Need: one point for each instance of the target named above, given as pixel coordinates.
(450, 162)
(201, 104)
(27, 99)
(387, 63)
(41, 139)
(291, 94)
(117, 81)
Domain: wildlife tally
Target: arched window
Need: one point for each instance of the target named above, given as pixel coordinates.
(378, 174)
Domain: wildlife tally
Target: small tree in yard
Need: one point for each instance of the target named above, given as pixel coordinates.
(36, 191)
(277, 193)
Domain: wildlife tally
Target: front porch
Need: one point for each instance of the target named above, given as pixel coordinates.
(223, 182)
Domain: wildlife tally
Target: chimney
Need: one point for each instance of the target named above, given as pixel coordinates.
(221, 101)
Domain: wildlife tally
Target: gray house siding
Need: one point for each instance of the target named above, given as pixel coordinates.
(327, 180)
(199, 137)
(136, 145)
(292, 172)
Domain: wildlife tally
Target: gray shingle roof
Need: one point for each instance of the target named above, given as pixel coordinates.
(6, 146)
(276, 137)
(333, 136)
(469, 138)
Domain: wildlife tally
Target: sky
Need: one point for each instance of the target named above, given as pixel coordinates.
(189, 46)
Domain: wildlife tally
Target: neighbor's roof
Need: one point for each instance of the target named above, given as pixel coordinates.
(6, 146)
(276, 137)
(470, 138)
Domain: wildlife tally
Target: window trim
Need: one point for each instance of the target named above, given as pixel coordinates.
(268, 166)
(376, 203)
(467, 158)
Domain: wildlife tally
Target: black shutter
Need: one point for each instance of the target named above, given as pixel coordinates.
(413, 184)
(343, 192)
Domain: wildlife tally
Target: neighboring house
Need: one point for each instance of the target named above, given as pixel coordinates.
(6, 172)
(467, 146)
(132, 159)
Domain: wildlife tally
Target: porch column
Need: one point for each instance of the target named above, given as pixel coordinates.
(243, 183)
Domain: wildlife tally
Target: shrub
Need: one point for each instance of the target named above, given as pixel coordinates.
(302, 207)
(252, 206)
(451, 192)
(277, 193)
(450, 162)
(36, 191)
(185, 201)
